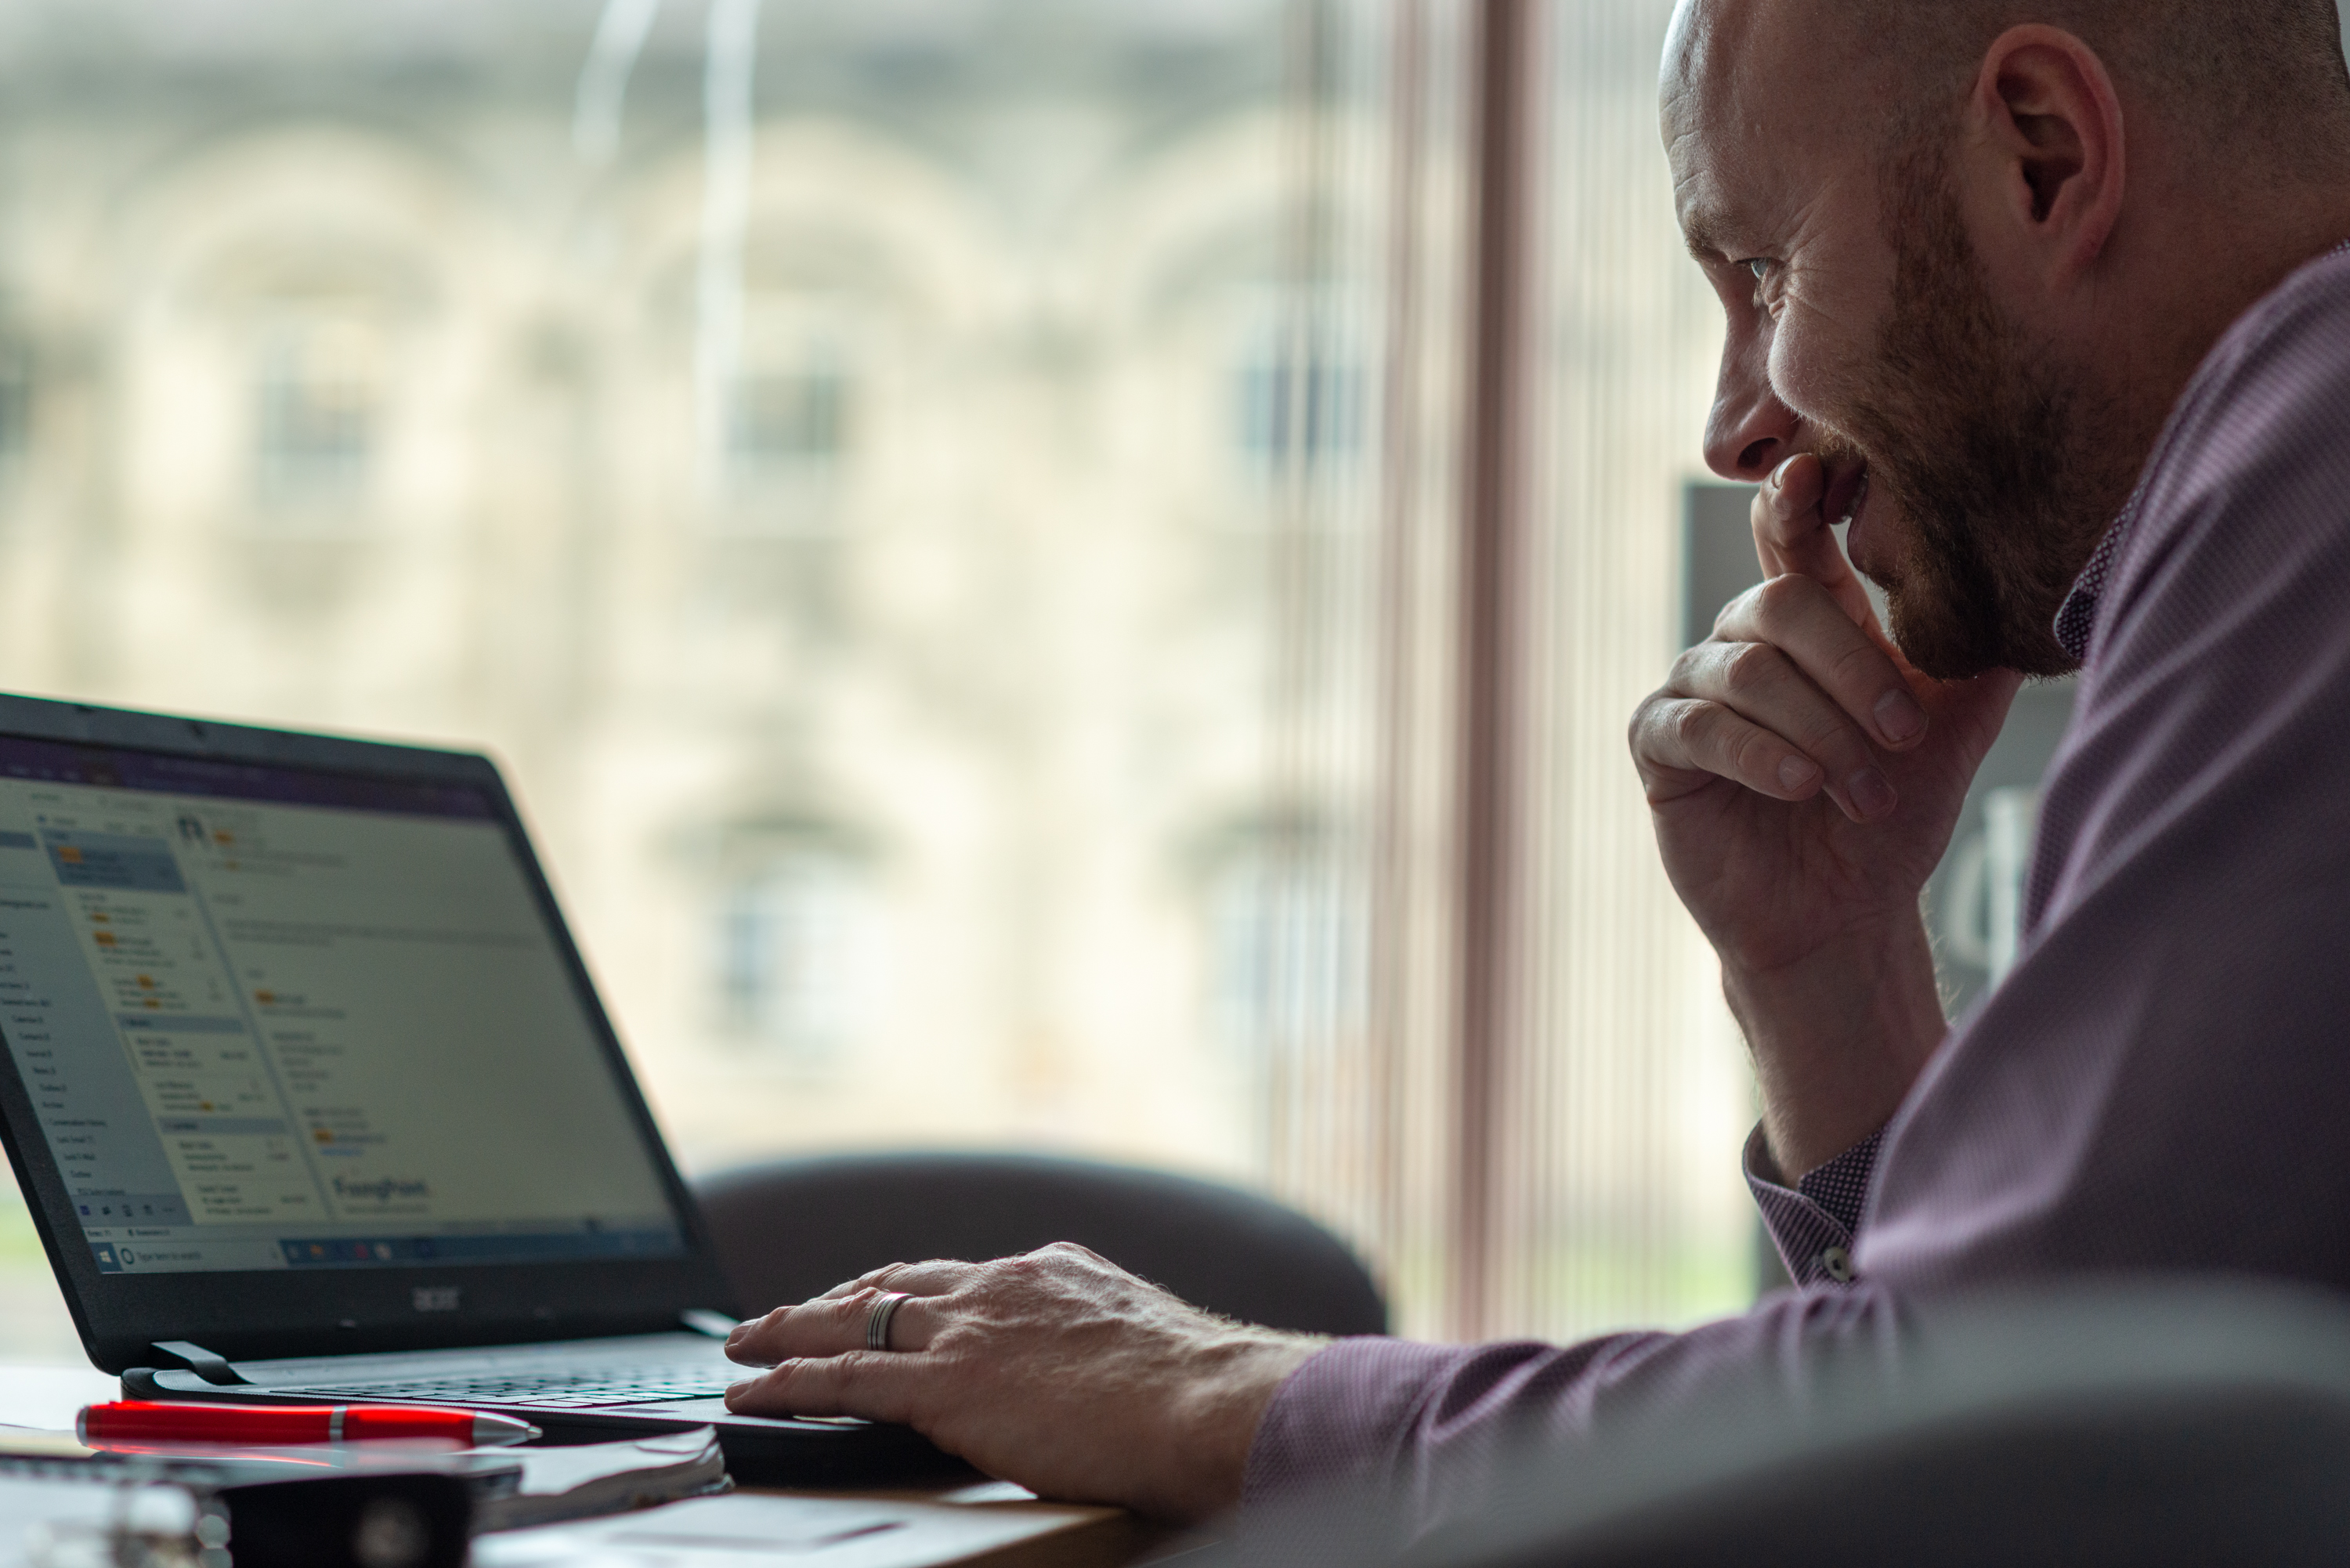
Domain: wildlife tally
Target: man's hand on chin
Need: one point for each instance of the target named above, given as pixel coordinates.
(1805, 780)
(1056, 1369)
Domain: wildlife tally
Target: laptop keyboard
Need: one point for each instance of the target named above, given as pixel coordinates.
(547, 1390)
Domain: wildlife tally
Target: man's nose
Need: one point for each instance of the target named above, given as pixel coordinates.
(1749, 431)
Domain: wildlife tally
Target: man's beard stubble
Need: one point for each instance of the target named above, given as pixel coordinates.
(2000, 458)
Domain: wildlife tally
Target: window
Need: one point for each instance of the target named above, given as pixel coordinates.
(1982, 913)
(789, 421)
(316, 397)
(1289, 929)
(793, 413)
(800, 952)
(1298, 402)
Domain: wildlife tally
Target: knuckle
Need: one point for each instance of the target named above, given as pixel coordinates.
(1652, 726)
(1650, 734)
(1751, 668)
(1832, 737)
(1693, 724)
(1740, 611)
(1783, 596)
(1752, 753)
(1855, 664)
(828, 1372)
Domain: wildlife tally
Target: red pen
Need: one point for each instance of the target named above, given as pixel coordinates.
(278, 1426)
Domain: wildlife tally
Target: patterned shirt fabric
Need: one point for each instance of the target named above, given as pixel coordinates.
(1814, 1222)
(2160, 1082)
(2076, 618)
(1840, 1187)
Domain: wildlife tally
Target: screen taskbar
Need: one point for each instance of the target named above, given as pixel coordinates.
(164, 1254)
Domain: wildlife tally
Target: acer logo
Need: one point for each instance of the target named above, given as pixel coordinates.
(435, 1298)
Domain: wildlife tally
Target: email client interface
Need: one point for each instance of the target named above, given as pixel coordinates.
(269, 1018)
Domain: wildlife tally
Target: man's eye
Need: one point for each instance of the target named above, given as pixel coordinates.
(1759, 267)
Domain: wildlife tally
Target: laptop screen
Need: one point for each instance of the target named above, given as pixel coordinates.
(271, 1018)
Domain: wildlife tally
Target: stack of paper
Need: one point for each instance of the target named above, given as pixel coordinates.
(750, 1527)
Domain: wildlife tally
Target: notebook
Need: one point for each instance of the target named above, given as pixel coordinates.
(312, 1097)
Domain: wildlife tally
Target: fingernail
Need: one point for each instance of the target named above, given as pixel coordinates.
(1899, 716)
(1778, 474)
(1796, 772)
(734, 1388)
(1871, 795)
(734, 1336)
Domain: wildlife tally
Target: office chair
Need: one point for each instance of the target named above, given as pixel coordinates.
(787, 1231)
(2148, 1425)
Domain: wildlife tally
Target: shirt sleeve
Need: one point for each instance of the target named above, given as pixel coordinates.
(1814, 1222)
(1427, 1419)
(1414, 1436)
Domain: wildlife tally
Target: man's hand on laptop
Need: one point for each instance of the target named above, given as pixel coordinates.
(1056, 1369)
(1805, 780)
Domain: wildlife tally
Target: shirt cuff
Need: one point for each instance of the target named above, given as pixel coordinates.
(1813, 1222)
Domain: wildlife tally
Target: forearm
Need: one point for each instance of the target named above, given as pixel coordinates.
(1838, 1038)
(1217, 1410)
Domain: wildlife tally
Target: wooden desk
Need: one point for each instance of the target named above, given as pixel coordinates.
(987, 1525)
(1005, 1526)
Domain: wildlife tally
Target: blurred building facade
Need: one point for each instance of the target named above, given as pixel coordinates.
(950, 712)
(341, 388)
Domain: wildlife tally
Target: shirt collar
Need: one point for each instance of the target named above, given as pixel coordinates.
(2076, 618)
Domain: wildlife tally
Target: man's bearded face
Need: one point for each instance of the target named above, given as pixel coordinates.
(1988, 448)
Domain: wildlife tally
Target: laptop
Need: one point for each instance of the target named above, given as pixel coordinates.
(312, 1098)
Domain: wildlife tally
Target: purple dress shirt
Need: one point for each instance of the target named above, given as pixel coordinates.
(2163, 1081)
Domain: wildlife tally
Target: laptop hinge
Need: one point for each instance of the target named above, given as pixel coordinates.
(200, 1360)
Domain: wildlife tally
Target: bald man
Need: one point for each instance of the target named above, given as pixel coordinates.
(2047, 301)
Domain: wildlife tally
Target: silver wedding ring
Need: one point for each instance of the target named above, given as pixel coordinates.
(877, 1322)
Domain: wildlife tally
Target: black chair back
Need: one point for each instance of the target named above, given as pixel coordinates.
(790, 1229)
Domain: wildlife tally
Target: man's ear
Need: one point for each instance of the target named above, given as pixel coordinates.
(2050, 139)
